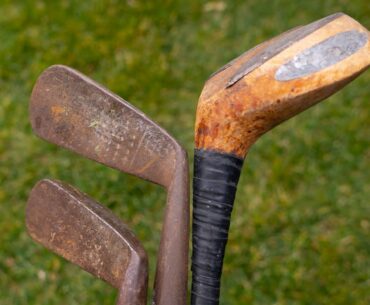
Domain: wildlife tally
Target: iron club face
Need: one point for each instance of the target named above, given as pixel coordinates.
(249, 96)
(85, 233)
(72, 111)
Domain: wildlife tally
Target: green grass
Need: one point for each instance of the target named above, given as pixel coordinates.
(301, 224)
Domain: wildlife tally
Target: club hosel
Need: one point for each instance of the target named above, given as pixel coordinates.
(172, 265)
(216, 176)
(133, 290)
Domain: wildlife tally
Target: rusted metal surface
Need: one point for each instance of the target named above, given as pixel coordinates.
(247, 98)
(74, 112)
(82, 231)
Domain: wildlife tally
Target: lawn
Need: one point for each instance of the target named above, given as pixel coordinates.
(301, 223)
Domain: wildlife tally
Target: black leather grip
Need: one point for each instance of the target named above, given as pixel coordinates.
(216, 176)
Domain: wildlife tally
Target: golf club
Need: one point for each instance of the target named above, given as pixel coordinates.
(85, 233)
(246, 98)
(70, 110)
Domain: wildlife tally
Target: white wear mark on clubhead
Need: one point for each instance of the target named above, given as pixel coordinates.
(322, 55)
(285, 41)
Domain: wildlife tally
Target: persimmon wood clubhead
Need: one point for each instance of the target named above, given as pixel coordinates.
(246, 98)
(72, 111)
(82, 231)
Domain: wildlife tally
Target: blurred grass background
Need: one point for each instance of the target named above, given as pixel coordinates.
(301, 224)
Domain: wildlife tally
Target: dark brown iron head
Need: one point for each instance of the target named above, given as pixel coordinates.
(71, 110)
(277, 80)
(76, 227)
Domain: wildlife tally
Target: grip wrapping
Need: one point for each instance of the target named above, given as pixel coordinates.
(216, 176)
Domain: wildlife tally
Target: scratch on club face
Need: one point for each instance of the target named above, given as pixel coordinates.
(94, 124)
(52, 236)
(138, 147)
(148, 164)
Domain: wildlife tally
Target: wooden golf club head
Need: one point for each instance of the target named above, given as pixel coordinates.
(255, 92)
(277, 80)
(76, 227)
(72, 111)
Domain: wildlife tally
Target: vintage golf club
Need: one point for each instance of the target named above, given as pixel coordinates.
(82, 231)
(72, 111)
(246, 98)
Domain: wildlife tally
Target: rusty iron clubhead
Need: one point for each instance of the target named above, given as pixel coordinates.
(72, 111)
(79, 229)
(246, 98)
